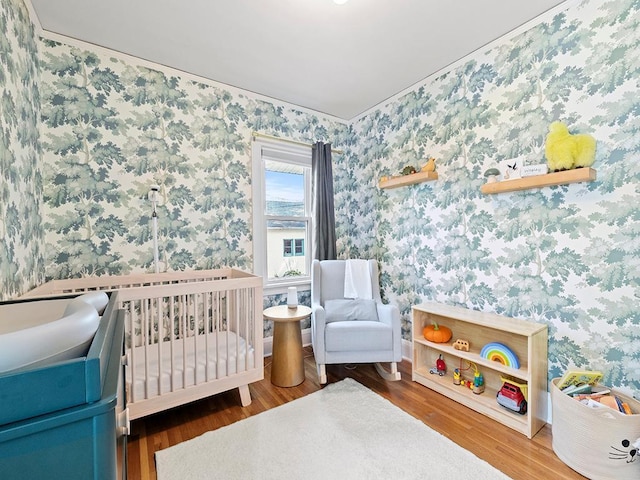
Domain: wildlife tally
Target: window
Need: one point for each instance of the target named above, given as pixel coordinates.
(282, 212)
(293, 247)
(287, 249)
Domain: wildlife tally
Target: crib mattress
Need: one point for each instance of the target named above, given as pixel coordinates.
(209, 357)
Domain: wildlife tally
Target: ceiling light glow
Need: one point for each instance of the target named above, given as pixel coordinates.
(340, 2)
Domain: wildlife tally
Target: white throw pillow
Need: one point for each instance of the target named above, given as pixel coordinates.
(350, 309)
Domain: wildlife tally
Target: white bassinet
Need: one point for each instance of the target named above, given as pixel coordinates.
(34, 333)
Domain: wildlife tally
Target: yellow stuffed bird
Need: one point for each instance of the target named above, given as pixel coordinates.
(586, 155)
(430, 166)
(565, 151)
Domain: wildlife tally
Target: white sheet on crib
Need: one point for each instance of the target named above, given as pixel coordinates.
(227, 355)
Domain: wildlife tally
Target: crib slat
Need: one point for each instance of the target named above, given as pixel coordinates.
(144, 339)
(230, 311)
(246, 305)
(218, 332)
(134, 357)
(196, 334)
(207, 323)
(158, 321)
(172, 309)
(237, 327)
(183, 337)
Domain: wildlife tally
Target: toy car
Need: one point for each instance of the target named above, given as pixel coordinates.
(440, 368)
(510, 396)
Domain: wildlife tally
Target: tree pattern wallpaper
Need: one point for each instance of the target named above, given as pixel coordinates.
(112, 130)
(21, 230)
(567, 256)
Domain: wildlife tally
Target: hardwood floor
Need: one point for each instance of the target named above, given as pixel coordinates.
(509, 451)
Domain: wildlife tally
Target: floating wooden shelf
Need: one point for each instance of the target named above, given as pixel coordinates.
(403, 180)
(558, 178)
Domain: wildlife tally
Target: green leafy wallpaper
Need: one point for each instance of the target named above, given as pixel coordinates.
(21, 231)
(113, 129)
(566, 256)
(85, 134)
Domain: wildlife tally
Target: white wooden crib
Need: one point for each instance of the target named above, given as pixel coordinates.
(188, 335)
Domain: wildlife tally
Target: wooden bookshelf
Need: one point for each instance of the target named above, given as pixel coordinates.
(528, 341)
(538, 181)
(404, 180)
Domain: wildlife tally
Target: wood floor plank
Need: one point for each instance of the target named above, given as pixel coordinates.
(509, 451)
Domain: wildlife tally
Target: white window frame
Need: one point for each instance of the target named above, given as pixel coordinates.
(268, 149)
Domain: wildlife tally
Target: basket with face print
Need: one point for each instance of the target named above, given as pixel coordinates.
(598, 442)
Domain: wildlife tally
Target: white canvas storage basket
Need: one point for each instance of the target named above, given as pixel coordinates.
(596, 442)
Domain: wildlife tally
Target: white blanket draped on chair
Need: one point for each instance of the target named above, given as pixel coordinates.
(357, 279)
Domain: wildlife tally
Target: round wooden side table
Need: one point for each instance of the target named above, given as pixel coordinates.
(287, 359)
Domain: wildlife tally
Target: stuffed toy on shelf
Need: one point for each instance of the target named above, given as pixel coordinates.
(565, 151)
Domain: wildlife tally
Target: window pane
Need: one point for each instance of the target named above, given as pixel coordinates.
(287, 249)
(280, 265)
(299, 246)
(284, 189)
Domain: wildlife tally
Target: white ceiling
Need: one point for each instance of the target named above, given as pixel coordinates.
(340, 60)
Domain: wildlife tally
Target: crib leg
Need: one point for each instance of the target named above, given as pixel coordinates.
(245, 395)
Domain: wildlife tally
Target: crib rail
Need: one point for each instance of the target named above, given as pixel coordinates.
(118, 282)
(188, 335)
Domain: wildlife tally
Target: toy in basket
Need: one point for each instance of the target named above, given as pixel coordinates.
(599, 443)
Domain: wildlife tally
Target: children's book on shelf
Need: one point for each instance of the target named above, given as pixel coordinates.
(575, 378)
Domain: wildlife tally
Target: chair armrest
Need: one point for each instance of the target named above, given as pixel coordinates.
(390, 314)
(318, 315)
(318, 323)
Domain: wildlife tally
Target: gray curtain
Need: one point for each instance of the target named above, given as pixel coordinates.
(324, 222)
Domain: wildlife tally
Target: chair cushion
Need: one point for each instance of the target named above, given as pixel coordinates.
(350, 310)
(358, 336)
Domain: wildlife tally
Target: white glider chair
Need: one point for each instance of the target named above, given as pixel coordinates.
(352, 330)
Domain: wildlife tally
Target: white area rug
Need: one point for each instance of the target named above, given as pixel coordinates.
(344, 431)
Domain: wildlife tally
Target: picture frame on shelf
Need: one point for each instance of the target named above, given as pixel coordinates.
(511, 169)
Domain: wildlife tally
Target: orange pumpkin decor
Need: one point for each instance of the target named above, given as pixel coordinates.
(437, 333)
